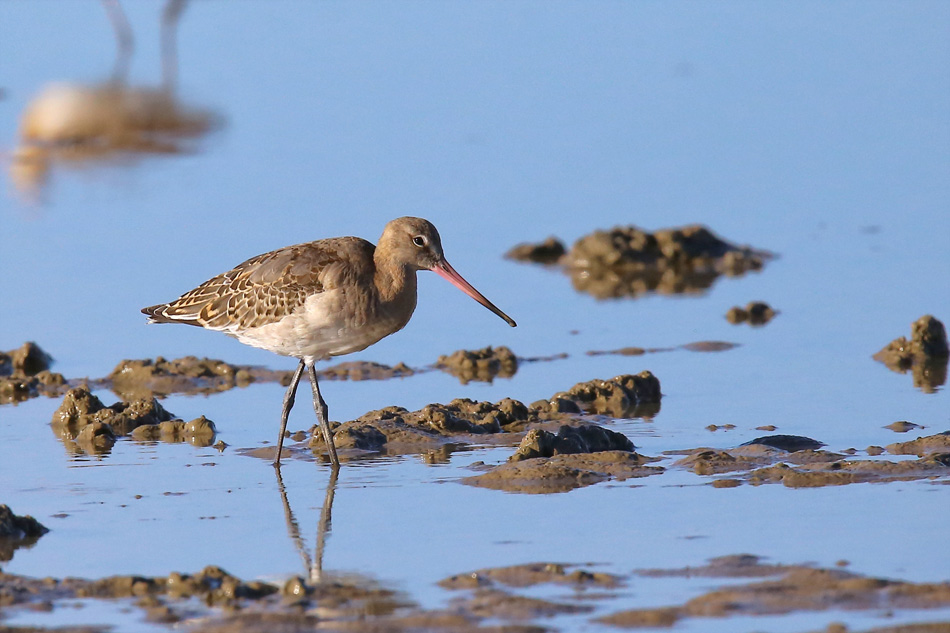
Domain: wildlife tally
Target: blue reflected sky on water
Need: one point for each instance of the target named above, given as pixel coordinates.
(818, 131)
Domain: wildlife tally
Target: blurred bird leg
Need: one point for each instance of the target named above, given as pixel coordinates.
(170, 16)
(125, 42)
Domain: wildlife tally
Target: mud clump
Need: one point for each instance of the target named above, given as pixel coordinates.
(483, 365)
(488, 603)
(754, 313)
(574, 454)
(902, 426)
(925, 355)
(485, 600)
(938, 443)
(222, 601)
(362, 370)
(798, 589)
(25, 374)
(27, 360)
(17, 531)
(801, 465)
(789, 443)
(628, 262)
(213, 585)
(626, 396)
(805, 589)
(530, 575)
(839, 473)
(550, 251)
(731, 566)
(85, 422)
(396, 430)
(562, 473)
(749, 456)
(137, 379)
(199, 432)
(570, 440)
(80, 408)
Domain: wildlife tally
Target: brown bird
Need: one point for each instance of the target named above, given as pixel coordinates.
(320, 299)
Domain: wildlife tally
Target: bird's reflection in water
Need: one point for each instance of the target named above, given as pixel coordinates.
(79, 125)
(314, 566)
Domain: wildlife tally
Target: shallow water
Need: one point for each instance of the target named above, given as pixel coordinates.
(818, 132)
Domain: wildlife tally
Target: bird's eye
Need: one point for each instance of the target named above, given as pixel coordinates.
(419, 241)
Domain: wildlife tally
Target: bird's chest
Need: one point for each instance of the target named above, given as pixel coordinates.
(332, 323)
(336, 323)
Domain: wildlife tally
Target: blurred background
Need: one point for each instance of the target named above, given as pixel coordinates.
(148, 146)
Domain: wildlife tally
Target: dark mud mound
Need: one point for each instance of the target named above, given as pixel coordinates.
(397, 430)
(627, 396)
(221, 601)
(902, 426)
(562, 473)
(27, 360)
(709, 461)
(548, 252)
(199, 432)
(732, 566)
(461, 422)
(790, 443)
(925, 355)
(491, 603)
(139, 379)
(16, 532)
(530, 575)
(629, 262)
(25, 374)
(491, 599)
(922, 446)
(213, 586)
(754, 313)
(800, 464)
(575, 456)
(86, 425)
(361, 370)
(570, 440)
(844, 472)
(799, 588)
(481, 365)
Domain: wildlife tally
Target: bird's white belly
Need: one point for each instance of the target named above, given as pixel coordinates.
(325, 326)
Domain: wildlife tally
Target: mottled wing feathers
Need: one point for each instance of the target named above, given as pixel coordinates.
(268, 287)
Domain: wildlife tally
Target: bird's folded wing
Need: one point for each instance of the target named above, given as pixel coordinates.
(268, 287)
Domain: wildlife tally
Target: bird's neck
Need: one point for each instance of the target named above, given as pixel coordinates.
(396, 285)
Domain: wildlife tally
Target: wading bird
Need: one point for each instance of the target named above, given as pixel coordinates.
(321, 299)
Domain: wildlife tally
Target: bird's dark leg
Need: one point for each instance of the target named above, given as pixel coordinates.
(288, 405)
(322, 417)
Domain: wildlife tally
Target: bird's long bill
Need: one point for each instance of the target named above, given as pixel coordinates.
(444, 270)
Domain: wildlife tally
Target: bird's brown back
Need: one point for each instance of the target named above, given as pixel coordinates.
(268, 287)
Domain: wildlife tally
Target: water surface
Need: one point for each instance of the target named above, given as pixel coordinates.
(820, 132)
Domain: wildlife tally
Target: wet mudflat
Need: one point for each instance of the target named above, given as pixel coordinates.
(725, 405)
